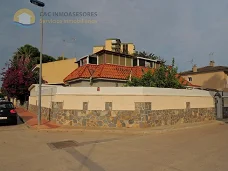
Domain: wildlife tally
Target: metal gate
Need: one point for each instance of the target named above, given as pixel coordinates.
(218, 105)
(221, 105)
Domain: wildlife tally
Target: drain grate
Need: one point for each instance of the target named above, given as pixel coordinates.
(63, 144)
(71, 143)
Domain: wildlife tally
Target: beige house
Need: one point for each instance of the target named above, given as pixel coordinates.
(54, 72)
(115, 45)
(208, 77)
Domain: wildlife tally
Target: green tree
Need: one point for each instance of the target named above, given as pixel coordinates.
(145, 54)
(160, 77)
(28, 51)
(173, 80)
(163, 77)
(61, 58)
(45, 59)
(148, 55)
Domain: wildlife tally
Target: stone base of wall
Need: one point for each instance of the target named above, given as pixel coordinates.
(129, 119)
(45, 112)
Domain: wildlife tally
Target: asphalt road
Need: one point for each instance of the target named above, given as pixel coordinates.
(198, 149)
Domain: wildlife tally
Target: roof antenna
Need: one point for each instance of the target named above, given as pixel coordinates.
(191, 61)
(211, 55)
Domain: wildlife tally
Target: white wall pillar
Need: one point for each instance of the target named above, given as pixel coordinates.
(87, 62)
(125, 61)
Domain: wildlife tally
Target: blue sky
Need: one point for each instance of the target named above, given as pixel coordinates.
(184, 29)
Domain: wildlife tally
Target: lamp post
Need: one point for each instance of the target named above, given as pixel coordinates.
(40, 4)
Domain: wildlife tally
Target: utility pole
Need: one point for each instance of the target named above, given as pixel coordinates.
(191, 61)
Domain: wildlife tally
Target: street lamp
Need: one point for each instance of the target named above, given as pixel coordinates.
(40, 4)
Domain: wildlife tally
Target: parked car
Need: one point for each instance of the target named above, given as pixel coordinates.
(8, 113)
(2, 99)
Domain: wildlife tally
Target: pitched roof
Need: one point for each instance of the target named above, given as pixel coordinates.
(206, 69)
(84, 71)
(111, 71)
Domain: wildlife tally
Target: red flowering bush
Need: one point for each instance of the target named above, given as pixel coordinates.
(17, 77)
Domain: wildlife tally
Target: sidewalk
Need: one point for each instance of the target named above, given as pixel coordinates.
(30, 119)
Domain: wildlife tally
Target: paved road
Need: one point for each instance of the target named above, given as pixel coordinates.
(198, 149)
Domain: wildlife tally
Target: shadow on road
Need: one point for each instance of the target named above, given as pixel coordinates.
(84, 160)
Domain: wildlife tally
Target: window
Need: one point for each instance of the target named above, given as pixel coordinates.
(6, 106)
(189, 78)
(101, 59)
(92, 60)
(84, 61)
(142, 62)
(122, 61)
(134, 62)
(128, 62)
(147, 64)
(108, 59)
(125, 48)
(115, 59)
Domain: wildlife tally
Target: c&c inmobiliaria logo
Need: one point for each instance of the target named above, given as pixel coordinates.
(24, 17)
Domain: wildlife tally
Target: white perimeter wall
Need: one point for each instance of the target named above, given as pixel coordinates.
(122, 98)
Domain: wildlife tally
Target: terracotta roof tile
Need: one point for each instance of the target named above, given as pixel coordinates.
(111, 71)
(81, 72)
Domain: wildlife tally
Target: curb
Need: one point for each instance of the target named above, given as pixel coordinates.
(130, 131)
(25, 122)
(22, 120)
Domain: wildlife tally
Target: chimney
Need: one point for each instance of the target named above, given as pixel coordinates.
(212, 63)
(194, 68)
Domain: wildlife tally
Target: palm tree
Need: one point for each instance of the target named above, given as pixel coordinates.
(145, 54)
(61, 58)
(27, 51)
